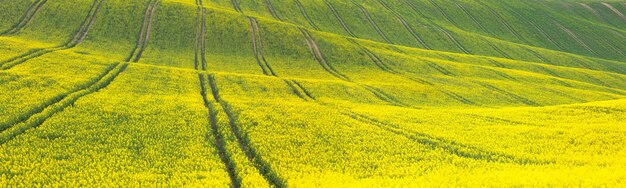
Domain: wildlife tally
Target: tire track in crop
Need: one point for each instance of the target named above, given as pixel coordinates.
(244, 141)
(617, 12)
(343, 24)
(383, 66)
(320, 57)
(439, 28)
(236, 6)
(406, 25)
(306, 15)
(258, 49)
(314, 49)
(200, 59)
(445, 15)
(612, 47)
(59, 103)
(512, 95)
(467, 13)
(503, 21)
(271, 9)
(504, 54)
(40, 115)
(531, 23)
(76, 39)
(595, 13)
(372, 22)
(442, 70)
(536, 27)
(452, 147)
(482, 27)
(144, 34)
(26, 18)
(576, 38)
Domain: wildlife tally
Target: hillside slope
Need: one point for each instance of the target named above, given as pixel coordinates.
(304, 93)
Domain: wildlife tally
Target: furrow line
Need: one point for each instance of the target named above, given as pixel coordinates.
(244, 141)
(406, 25)
(26, 18)
(306, 15)
(371, 22)
(35, 120)
(343, 24)
(76, 39)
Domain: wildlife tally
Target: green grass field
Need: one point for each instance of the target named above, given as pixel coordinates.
(312, 93)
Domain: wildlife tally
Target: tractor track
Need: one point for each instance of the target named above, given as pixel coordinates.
(439, 28)
(256, 49)
(259, 55)
(76, 39)
(512, 95)
(504, 54)
(200, 65)
(272, 11)
(458, 149)
(467, 13)
(383, 66)
(503, 21)
(341, 21)
(59, 104)
(531, 23)
(536, 27)
(144, 35)
(26, 18)
(319, 56)
(406, 25)
(617, 12)
(445, 15)
(236, 6)
(576, 38)
(244, 141)
(596, 14)
(306, 15)
(372, 22)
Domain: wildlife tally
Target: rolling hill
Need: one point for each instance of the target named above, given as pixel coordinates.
(312, 93)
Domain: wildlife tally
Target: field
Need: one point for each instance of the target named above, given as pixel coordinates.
(312, 93)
